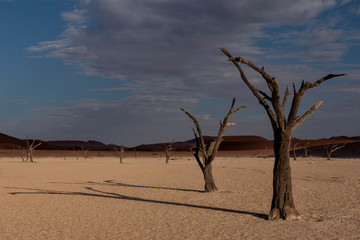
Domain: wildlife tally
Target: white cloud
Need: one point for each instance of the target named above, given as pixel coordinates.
(167, 51)
(75, 16)
(49, 46)
(205, 117)
(163, 44)
(131, 37)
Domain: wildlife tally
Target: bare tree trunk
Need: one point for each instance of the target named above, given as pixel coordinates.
(30, 154)
(209, 180)
(122, 150)
(167, 156)
(22, 153)
(294, 152)
(293, 147)
(169, 149)
(121, 157)
(305, 145)
(85, 151)
(282, 205)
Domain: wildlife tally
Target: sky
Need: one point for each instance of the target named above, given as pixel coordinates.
(119, 71)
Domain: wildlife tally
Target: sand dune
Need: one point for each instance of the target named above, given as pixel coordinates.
(244, 145)
(145, 198)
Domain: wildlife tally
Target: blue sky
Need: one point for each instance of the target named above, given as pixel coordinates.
(118, 71)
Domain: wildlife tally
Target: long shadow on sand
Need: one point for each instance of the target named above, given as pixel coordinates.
(103, 194)
(118, 184)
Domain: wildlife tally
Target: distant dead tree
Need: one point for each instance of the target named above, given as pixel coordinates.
(305, 145)
(22, 153)
(282, 205)
(30, 147)
(85, 152)
(208, 152)
(119, 151)
(331, 148)
(293, 145)
(169, 149)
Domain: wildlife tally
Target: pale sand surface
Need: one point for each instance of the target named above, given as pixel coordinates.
(144, 198)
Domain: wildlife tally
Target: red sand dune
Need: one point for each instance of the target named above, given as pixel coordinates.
(8, 142)
(248, 145)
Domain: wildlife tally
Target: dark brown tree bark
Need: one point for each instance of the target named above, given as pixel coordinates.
(282, 205)
(208, 152)
(209, 179)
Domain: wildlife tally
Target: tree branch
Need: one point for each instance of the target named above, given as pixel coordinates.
(222, 129)
(253, 89)
(298, 94)
(307, 114)
(266, 76)
(287, 93)
(267, 97)
(196, 154)
(203, 146)
(337, 147)
(323, 79)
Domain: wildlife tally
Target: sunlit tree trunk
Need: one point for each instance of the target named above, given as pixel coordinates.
(282, 205)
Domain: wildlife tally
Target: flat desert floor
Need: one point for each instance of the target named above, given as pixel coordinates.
(144, 198)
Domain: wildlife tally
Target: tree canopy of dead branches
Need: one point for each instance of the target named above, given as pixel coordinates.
(282, 205)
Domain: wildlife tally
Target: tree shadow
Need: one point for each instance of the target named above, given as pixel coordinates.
(103, 194)
(118, 184)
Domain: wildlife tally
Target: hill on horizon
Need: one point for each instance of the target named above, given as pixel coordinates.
(9, 142)
(230, 143)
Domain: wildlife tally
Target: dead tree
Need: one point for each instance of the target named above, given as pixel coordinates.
(169, 149)
(293, 146)
(85, 152)
(331, 148)
(22, 153)
(208, 152)
(119, 151)
(282, 205)
(305, 145)
(30, 147)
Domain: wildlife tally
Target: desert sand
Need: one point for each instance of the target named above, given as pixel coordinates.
(144, 198)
